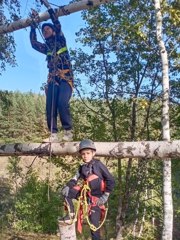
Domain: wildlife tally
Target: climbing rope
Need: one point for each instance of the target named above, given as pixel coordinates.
(54, 53)
(52, 111)
(35, 18)
(83, 203)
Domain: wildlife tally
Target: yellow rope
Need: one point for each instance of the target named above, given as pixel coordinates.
(83, 200)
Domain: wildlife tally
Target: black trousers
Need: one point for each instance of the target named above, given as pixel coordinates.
(94, 216)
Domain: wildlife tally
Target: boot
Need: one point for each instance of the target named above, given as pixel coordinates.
(68, 136)
(53, 138)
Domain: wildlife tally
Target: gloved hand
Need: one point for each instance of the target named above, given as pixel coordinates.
(35, 18)
(65, 191)
(46, 3)
(103, 199)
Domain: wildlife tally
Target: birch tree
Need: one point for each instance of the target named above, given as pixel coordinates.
(167, 233)
(126, 30)
(61, 11)
(148, 149)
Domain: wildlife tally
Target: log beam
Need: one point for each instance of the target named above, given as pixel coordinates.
(148, 149)
(61, 11)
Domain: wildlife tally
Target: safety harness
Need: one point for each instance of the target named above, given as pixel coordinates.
(85, 203)
(64, 74)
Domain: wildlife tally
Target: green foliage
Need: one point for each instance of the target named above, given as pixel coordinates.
(122, 102)
(36, 204)
(22, 117)
(9, 11)
(122, 67)
(95, 121)
(6, 201)
(33, 210)
(176, 196)
(140, 198)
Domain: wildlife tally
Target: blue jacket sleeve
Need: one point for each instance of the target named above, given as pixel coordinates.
(55, 21)
(74, 180)
(107, 177)
(38, 46)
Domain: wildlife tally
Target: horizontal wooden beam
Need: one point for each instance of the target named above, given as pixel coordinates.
(61, 11)
(146, 149)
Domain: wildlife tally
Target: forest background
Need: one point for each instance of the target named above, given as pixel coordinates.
(123, 102)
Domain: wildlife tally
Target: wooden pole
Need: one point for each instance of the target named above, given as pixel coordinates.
(61, 11)
(149, 149)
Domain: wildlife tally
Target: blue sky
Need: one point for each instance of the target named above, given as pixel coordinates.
(31, 71)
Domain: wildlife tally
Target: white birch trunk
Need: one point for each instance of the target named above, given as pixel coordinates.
(136, 222)
(143, 217)
(61, 11)
(167, 233)
(67, 232)
(149, 149)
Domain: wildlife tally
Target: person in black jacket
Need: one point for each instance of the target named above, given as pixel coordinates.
(60, 78)
(101, 183)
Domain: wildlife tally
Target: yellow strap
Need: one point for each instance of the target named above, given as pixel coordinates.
(49, 53)
(61, 50)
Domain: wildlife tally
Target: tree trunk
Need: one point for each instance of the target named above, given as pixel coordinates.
(149, 149)
(67, 231)
(167, 233)
(61, 11)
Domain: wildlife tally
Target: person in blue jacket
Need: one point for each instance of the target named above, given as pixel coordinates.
(60, 78)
